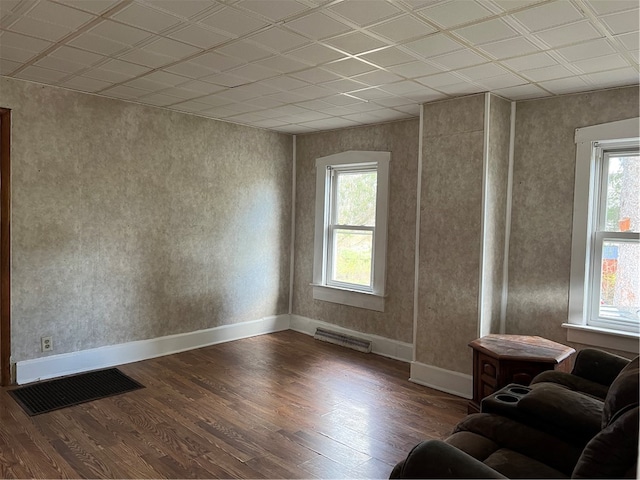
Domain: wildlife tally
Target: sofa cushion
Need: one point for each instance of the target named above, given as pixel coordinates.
(613, 453)
(623, 392)
(572, 382)
(515, 465)
(478, 446)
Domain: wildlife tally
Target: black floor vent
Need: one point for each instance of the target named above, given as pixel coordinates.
(64, 392)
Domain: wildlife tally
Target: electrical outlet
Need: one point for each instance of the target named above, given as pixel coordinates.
(47, 344)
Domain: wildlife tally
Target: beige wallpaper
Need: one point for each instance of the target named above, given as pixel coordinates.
(131, 222)
(543, 181)
(401, 139)
(495, 207)
(450, 232)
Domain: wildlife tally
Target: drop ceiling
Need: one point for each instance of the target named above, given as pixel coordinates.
(298, 66)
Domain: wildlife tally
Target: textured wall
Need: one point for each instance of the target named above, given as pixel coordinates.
(131, 222)
(401, 139)
(450, 232)
(495, 211)
(543, 181)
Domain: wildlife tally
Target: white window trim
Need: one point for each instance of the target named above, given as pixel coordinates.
(584, 189)
(373, 300)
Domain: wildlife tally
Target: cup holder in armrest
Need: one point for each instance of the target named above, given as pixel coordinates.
(505, 401)
(507, 398)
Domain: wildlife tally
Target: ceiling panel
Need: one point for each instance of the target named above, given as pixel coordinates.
(305, 65)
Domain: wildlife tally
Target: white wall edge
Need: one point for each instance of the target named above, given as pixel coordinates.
(507, 223)
(85, 360)
(382, 346)
(447, 381)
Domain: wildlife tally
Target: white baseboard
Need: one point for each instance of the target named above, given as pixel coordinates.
(85, 360)
(379, 345)
(447, 381)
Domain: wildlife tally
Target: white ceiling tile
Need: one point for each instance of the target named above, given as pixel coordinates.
(509, 5)
(568, 34)
(593, 48)
(159, 99)
(363, 106)
(40, 29)
(332, 123)
(145, 84)
(349, 67)
(461, 89)
(93, 6)
(145, 18)
(371, 93)
(86, 84)
(217, 100)
(455, 12)
(166, 78)
(60, 64)
(614, 78)
(312, 92)
(253, 72)
(182, 8)
(282, 64)
(502, 81)
(125, 68)
(404, 87)
(566, 85)
(125, 92)
(315, 54)
(317, 25)
(528, 62)
(631, 41)
(190, 69)
(603, 7)
(107, 75)
(192, 106)
(279, 39)
(415, 69)
(16, 40)
(410, 109)
(461, 59)
(394, 101)
(623, 22)
(195, 86)
(548, 15)
(215, 61)
(509, 48)
(97, 44)
(344, 85)
(388, 57)
(365, 12)
(485, 32)
(480, 72)
(403, 28)
(120, 33)
(244, 50)
(284, 83)
(245, 92)
(547, 73)
(355, 42)
(146, 58)
(308, 116)
(316, 106)
(377, 77)
(433, 45)
(170, 48)
(424, 97)
(600, 64)
(342, 100)
(521, 92)
(233, 22)
(264, 102)
(274, 10)
(315, 75)
(44, 75)
(76, 55)
(8, 66)
(226, 80)
(15, 54)
(59, 15)
(199, 36)
(438, 80)
(182, 93)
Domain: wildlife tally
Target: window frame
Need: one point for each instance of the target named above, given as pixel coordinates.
(324, 289)
(585, 260)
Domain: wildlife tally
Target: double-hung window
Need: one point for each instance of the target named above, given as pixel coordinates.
(351, 228)
(604, 297)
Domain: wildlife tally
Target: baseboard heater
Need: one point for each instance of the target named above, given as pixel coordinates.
(343, 340)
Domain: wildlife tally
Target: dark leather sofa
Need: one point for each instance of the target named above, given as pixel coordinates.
(582, 424)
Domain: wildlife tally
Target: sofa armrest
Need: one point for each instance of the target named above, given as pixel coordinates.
(598, 366)
(437, 459)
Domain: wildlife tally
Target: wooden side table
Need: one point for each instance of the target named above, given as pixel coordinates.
(499, 360)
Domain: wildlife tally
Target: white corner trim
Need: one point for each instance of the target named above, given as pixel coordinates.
(507, 223)
(292, 244)
(619, 130)
(603, 338)
(385, 347)
(484, 324)
(75, 362)
(416, 266)
(448, 381)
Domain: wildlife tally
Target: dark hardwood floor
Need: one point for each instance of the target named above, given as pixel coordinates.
(276, 406)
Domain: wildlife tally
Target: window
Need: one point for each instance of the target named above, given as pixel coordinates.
(351, 228)
(604, 297)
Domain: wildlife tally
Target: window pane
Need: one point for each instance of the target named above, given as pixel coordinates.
(623, 194)
(352, 256)
(620, 282)
(356, 198)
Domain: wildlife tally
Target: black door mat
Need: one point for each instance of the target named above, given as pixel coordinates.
(64, 392)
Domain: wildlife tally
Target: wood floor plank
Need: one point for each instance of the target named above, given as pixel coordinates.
(280, 405)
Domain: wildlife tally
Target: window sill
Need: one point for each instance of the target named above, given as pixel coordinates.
(602, 337)
(353, 298)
